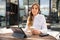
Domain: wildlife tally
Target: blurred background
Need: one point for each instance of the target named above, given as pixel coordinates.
(15, 12)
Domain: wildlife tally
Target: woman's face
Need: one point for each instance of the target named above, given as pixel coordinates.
(35, 10)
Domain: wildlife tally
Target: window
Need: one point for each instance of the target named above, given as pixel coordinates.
(44, 6)
(11, 13)
(2, 13)
(22, 12)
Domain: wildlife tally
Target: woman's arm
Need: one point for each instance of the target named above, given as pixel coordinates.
(36, 32)
(40, 25)
(43, 25)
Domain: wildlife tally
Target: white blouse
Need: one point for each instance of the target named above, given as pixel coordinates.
(39, 23)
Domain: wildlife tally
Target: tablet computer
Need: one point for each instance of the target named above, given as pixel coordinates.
(18, 32)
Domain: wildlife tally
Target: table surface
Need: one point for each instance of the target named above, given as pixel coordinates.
(9, 36)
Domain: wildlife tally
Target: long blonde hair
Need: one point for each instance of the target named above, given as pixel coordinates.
(30, 17)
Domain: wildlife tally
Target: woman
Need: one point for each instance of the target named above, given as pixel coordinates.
(36, 20)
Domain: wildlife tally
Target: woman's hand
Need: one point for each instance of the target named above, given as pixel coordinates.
(36, 32)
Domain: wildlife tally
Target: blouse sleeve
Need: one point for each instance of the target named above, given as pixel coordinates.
(43, 25)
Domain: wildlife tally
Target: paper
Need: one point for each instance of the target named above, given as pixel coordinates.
(54, 34)
(5, 30)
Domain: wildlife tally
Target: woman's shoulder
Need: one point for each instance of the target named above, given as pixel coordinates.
(41, 15)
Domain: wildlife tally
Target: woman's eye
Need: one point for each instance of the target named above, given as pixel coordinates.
(36, 8)
(32, 8)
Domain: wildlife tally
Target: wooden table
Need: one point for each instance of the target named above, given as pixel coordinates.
(33, 37)
(9, 36)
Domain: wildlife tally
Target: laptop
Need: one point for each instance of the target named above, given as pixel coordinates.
(19, 33)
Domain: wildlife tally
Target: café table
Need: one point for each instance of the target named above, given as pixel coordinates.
(9, 36)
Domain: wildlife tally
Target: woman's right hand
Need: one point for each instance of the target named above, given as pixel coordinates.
(36, 32)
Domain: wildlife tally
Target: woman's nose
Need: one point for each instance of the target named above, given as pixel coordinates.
(34, 9)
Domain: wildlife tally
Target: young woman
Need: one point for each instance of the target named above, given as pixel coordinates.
(36, 21)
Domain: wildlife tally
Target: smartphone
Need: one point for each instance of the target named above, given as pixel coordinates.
(42, 35)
